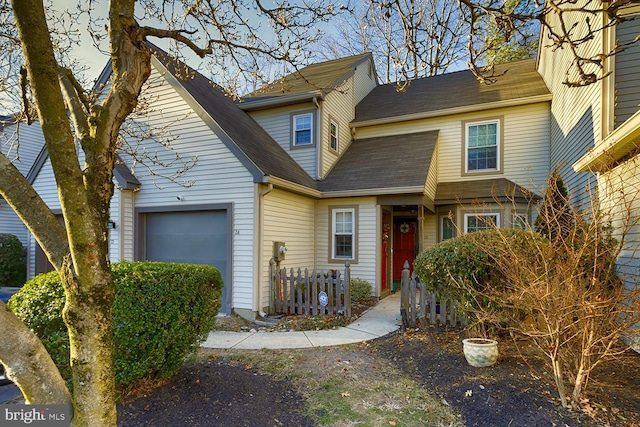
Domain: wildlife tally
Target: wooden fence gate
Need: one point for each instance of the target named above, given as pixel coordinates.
(416, 304)
(310, 293)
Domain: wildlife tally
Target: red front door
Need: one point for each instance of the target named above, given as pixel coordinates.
(405, 246)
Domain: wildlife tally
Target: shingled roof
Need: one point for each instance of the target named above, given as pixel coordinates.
(482, 191)
(317, 79)
(399, 161)
(247, 135)
(441, 94)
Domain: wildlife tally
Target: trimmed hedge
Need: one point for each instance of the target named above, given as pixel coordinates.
(360, 290)
(454, 266)
(161, 312)
(12, 268)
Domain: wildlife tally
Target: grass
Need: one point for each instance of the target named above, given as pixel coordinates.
(347, 386)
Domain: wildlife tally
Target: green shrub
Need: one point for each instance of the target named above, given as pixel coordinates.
(12, 267)
(161, 313)
(360, 290)
(466, 268)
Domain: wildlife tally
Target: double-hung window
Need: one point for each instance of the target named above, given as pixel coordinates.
(343, 233)
(482, 146)
(479, 222)
(333, 135)
(302, 125)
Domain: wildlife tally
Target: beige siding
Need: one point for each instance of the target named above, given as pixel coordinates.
(217, 178)
(431, 184)
(366, 266)
(430, 231)
(288, 218)
(339, 107)
(277, 123)
(525, 143)
(364, 81)
(576, 114)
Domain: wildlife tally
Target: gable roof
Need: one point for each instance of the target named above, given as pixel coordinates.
(243, 136)
(452, 93)
(382, 164)
(302, 85)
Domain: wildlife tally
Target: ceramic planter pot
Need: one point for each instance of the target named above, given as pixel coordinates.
(480, 352)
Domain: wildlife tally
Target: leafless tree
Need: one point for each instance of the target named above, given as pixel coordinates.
(35, 42)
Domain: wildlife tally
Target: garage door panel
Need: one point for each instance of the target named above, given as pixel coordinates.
(196, 237)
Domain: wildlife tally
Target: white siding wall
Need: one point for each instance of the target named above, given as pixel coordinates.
(576, 114)
(277, 123)
(218, 177)
(291, 219)
(367, 237)
(21, 144)
(526, 143)
(115, 238)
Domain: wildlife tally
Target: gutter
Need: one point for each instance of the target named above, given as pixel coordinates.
(615, 146)
(279, 100)
(451, 111)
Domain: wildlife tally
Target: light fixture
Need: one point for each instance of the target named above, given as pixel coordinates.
(111, 224)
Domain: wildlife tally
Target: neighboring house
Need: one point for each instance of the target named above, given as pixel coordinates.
(21, 143)
(596, 130)
(337, 167)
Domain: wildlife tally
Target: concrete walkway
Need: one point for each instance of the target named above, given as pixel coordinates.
(376, 322)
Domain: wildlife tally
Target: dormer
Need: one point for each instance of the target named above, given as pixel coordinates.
(308, 112)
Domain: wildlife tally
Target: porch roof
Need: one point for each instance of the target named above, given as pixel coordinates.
(482, 191)
(383, 163)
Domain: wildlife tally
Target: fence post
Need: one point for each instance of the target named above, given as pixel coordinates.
(404, 295)
(347, 289)
(272, 287)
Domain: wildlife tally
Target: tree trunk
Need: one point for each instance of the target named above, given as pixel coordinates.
(37, 376)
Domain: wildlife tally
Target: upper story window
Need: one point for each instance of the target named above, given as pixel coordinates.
(302, 126)
(333, 135)
(482, 146)
(479, 222)
(343, 234)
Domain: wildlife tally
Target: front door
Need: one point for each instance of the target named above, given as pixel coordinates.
(405, 246)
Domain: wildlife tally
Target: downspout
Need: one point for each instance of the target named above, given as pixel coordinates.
(318, 139)
(261, 245)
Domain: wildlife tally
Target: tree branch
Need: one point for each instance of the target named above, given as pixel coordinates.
(178, 35)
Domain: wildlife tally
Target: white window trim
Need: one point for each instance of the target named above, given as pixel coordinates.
(354, 224)
(334, 123)
(311, 115)
(479, 215)
(498, 167)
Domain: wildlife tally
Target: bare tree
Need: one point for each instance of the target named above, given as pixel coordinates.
(39, 37)
(568, 24)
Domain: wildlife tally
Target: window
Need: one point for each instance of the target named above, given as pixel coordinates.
(520, 222)
(343, 226)
(302, 129)
(479, 222)
(447, 229)
(333, 136)
(482, 146)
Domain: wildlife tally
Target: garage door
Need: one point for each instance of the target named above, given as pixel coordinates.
(197, 237)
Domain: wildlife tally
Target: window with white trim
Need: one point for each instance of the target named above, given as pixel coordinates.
(343, 226)
(479, 222)
(520, 222)
(302, 129)
(333, 135)
(482, 146)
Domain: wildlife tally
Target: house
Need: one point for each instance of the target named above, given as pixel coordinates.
(595, 131)
(21, 144)
(336, 167)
